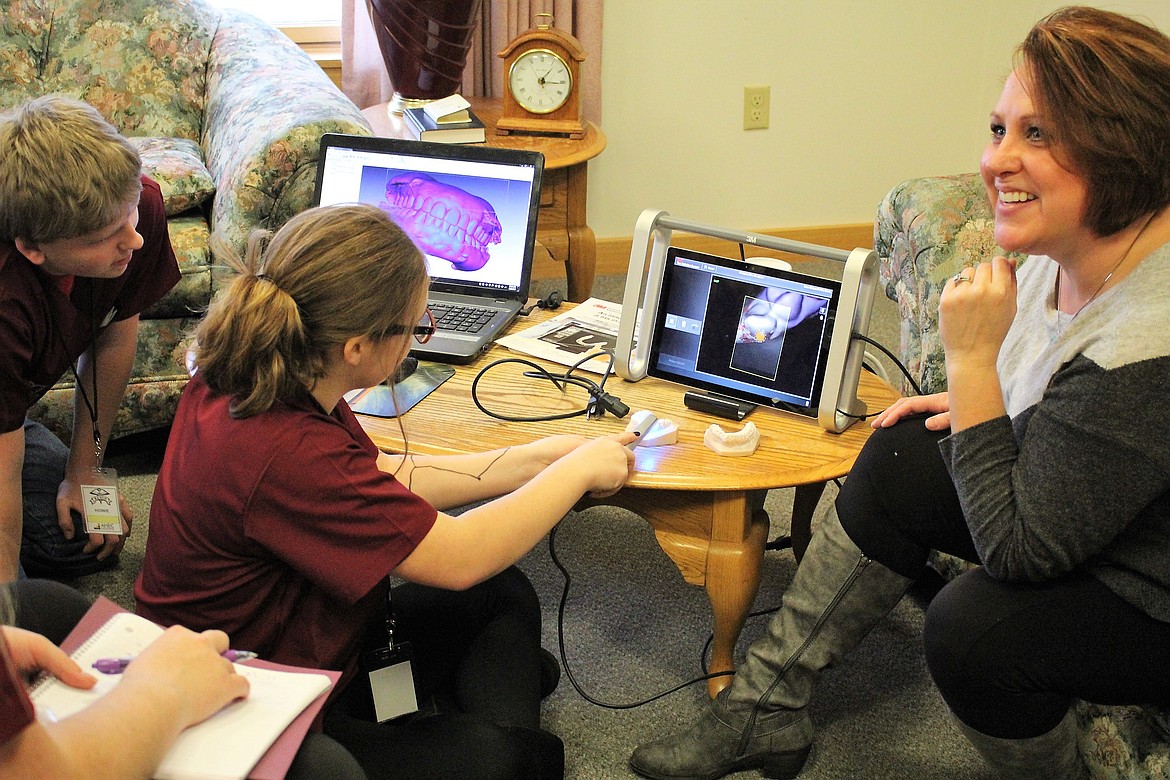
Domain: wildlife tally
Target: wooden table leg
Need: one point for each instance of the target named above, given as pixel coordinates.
(738, 533)
(804, 504)
(582, 266)
(582, 262)
(716, 539)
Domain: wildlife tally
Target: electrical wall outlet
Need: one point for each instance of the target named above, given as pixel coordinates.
(756, 107)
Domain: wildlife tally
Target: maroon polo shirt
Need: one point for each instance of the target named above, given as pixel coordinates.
(279, 529)
(43, 329)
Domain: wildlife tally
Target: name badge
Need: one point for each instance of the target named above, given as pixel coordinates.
(99, 499)
(391, 681)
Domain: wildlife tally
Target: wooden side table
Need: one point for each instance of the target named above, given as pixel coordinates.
(563, 237)
(706, 511)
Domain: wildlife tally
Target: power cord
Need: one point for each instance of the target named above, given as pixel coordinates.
(603, 402)
(750, 615)
(599, 402)
(890, 355)
(565, 660)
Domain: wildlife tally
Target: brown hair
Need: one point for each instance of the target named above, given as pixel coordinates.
(1102, 82)
(64, 170)
(330, 274)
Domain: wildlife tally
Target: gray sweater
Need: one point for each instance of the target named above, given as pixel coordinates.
(1077, 476)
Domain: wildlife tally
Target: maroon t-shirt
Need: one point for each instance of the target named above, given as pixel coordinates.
(279, 529)
(43, 329)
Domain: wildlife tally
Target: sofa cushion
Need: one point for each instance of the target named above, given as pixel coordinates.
(1122, 743)
(141, 63)
(926, 231)
(190, 237)
(1160, 716)
(176, 164)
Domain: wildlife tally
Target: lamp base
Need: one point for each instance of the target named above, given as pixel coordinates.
(399, 103)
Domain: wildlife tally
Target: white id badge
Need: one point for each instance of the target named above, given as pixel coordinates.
(391, 681)
(99, 500)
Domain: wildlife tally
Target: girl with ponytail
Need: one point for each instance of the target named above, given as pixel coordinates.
(277, 520)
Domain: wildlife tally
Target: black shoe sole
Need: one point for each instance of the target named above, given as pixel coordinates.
(773, 766)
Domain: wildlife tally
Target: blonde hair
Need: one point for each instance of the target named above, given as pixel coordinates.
(64, 170)
(330, 274)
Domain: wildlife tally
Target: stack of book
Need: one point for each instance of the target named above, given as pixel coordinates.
(427, 123)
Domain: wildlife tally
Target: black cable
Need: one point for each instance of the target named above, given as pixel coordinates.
(599, 400)
(898, 363)
(565, 660)
(890, 355)
(711, 637)
(844, 413)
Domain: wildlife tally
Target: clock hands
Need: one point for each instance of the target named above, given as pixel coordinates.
(542, 80)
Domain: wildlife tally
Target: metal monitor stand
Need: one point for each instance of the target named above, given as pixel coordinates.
(839, 407)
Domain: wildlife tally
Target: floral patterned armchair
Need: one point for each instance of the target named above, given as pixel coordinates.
(926, 231)
(227, 113)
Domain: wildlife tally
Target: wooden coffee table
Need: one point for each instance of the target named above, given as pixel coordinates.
(706, 510)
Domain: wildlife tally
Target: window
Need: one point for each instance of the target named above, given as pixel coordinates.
(290, 13)
(314, 24)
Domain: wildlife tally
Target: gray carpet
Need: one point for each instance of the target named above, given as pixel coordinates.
(634, 629)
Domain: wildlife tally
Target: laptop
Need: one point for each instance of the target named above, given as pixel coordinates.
(471, 210)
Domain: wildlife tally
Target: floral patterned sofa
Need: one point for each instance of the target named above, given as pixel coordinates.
(227, 113)
(926, 231)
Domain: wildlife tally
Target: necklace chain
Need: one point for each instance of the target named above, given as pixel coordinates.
(1096, 292)
(1104, 281)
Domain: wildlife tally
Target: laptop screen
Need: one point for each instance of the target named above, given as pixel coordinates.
(747, 331)
(471, 209)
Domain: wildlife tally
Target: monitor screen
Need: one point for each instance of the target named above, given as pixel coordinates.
(744, 331)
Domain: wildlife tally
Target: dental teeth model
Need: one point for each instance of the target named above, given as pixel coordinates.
(735, 444)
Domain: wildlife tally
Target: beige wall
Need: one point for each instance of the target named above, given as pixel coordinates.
(865, 93)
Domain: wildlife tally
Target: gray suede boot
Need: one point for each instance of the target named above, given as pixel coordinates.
(1051, 756)
(759, 722)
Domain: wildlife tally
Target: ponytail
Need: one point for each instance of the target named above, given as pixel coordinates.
(328, 275)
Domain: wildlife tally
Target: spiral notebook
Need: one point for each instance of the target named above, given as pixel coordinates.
(229, 744)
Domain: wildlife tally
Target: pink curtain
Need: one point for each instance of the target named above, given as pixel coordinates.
(364, 78)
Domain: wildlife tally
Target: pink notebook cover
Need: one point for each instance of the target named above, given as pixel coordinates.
(275, 763)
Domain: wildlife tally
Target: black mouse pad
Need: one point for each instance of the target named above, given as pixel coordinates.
(380, 400)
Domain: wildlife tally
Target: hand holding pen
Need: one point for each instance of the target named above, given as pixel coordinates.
(118, 665)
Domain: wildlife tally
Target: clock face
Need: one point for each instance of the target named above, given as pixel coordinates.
(540, 81)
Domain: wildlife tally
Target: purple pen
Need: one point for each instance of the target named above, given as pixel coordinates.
(118, 665)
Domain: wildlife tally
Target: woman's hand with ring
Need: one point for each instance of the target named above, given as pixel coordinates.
(973, 318)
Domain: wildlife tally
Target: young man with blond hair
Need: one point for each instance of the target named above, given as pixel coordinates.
(83, 250)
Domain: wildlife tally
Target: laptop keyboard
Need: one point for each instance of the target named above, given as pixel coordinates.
(462, 319)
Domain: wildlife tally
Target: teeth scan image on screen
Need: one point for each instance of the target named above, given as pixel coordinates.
(745, 331)
(443, 220)
(470, 218)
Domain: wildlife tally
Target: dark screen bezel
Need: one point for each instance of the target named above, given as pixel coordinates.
(654, 370)
(470, 152)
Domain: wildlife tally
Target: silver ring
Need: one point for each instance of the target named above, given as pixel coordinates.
(960, 277)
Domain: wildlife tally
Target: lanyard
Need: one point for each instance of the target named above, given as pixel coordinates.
(389, 615)
(91, 407)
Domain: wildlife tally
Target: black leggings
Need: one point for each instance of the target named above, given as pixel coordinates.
(1008, 657)
(477, 676)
